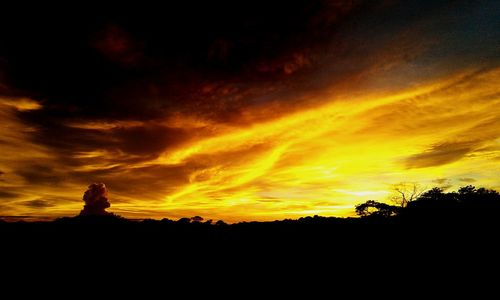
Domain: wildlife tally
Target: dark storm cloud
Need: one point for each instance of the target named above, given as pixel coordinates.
(213, 59)
(8, 195)
(441, 154)
(72, 57)
(39, 174)
(143, 64)
(118, 46)
(145, 139)
(39, 203)
(153, 181)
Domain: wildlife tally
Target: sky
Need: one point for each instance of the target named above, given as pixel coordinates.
(245, 110)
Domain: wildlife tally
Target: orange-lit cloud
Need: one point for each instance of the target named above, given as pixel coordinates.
(321, 160)
(21, 160)
(346, 151)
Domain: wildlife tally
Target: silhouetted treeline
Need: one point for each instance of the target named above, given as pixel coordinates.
(435, 205)
(439, 230)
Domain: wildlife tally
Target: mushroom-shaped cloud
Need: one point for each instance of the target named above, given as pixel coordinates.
(96, 200)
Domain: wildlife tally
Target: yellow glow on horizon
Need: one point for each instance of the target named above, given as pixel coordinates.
(326, 159)
(322, 159)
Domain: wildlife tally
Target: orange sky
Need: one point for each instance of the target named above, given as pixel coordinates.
(266, 113)
(319, 160)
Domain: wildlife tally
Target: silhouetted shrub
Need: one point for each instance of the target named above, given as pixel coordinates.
(220, 223)
(196, 219)
(373, 208)
(184, 221)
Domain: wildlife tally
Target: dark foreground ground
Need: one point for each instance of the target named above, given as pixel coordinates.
(358, 256)
(372, 239)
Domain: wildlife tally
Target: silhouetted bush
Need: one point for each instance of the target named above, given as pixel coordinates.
(220, 223)
(184, 221)
(196, 219)
(376, 209)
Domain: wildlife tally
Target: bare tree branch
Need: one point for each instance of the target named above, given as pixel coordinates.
(406, 192)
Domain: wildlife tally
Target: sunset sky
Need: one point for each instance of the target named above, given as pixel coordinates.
(245, 110)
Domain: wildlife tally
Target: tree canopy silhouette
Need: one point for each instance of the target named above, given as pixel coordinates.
(468, 202)
(374, 208)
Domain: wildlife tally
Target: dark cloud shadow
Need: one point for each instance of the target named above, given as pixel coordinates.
(38, 203)
(8, 194)
(440, 154)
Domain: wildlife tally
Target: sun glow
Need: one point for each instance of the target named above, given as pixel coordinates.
(327, 158)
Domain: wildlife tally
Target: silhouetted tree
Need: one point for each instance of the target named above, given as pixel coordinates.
(467, 204)
(467, 190)
(184, 221)
(433, 194)
(220, 223)
(470, 193)
(481, 200)
(374, 208)
(196, 219)
(406, 192)
(167, 221)
(433, 204)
